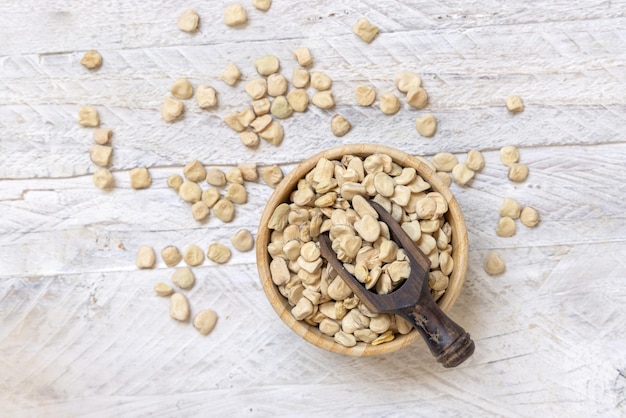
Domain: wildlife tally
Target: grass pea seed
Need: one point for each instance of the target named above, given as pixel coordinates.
(461, 174)
(339, 125)
(182, 88)
(145, 257)
(91, 60)
(324, 99)
(426, 125)
(272, 175)
(303, 56)
(506, 227)
(280, 108)
(300, 78)
(365, 95)
(194, 171)
(248, 171)
(273, 133)
(417, 97)
(509, 155)
(224, 210)
(102, 136)
(171, 255)
(190, 191)
(193, 255)
(494, 264)
(511, 208)
(184, 278)
(100, 154)
(514, 104)
(200, 211)
(406, 80)
(249, 139)
(389, 103)
(320, 81)
(206, 97)
(179, 307)
(215, 177)
(475, 160)
(365, 30)
(103, 179)
(175, 181)
(277, 85)
(205, 320)
(140, 178)
(88, 117)
(529, 217)
(235, 15)
(242, 240)
(298, 100)
(218, 253)
(163, 289)
(171, 109)
(518, 172)
(267, 65)
(188, 21)
(236, 193)
(256, 88)
(210, 196)
(444, 161)
(231, 74)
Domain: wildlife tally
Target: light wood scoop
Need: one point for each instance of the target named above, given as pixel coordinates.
(447, 341)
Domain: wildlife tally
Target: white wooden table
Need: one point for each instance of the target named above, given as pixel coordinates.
(81, 331)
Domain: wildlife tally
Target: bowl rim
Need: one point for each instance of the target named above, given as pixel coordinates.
(281, 194)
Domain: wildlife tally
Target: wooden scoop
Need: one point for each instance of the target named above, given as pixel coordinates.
(447, 341)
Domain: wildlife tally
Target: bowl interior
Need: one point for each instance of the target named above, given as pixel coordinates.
(281, 194)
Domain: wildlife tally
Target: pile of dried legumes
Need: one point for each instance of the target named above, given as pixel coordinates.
(333, 197)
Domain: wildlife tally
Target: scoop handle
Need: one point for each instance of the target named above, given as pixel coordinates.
(447, 341)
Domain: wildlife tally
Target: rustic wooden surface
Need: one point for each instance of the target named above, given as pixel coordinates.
(81, 331)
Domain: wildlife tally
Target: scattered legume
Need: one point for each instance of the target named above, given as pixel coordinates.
(179, 307)
(145, 257)
(91, 60)
(140, 178)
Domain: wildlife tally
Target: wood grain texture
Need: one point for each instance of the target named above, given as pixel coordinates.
(81, 331)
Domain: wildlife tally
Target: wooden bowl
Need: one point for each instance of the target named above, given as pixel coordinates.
(281, 194)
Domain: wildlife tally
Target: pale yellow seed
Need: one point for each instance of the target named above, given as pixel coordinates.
(218, 253)
(175, 181)
(236, 193)
(417, 97)
(300, 78)
(102, 136)
(261, 123)
(262, 5)
(511, 208)
(248, 171)
(140, 178)
(324, 99)
(179, 307)
(518, 172)
(231, 74)
(272, 175)
(184, 278)
(506, 227)
(320, 81)
(261, 107)
(461, 174)
(235, 15)
(224, 210)
(145, 257)
(494, 264)
(280, 108)
(200, 211)
(88, 116)
(205, 320)
(529, 217)
(249, 139)
(103, 179)
(234, 175)
(171, 109)
(163, 289)
(298, 100)
(365, 30)
(475, 160)
(273, 133)
(256, 88)
(182, 88)
(193, 255)
(406, 80)
(242, 240)
(509, 155)
(339, 125)
(100, 154)
(389, 103)
(171, 255)
(216, 177)
(190, 191)
(280, 217)
(188, 21)
(365, 95)
(210, 196)
(206, 97)
(303, 56)
(444, 161)
(267, 65)
(277, 85)
(91, 60)
(246, 117)
(426, 125)
(194, 171)
(514, 104)
(384, 338)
